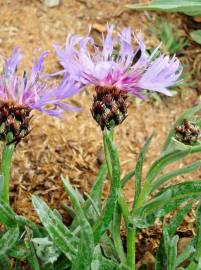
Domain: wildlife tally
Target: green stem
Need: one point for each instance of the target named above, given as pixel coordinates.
(131, 236)
(7, 154)
(130, 232)
(116, 234)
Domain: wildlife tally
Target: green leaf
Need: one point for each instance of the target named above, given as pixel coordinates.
(62, 263)
(191, 8)
(161, 256)
(108, 248)
(196, 36)
(186, 169)
(46, 250)
(97, 258)
(185, 115)
(182, 191)
(19, 252)
(7, 216)
(196, 259)
(8, 240)
(138, 168)
(95, 194)
(84, 255)
(116, 234)
(108, 211)
(158, 166)
(32, 258)
(22, 221)
(170, 247)
(5, 263)
(63, 238)
(177, 220)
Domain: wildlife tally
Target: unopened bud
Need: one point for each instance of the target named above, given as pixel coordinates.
(188, 132)
(14, 120)
(109, 107)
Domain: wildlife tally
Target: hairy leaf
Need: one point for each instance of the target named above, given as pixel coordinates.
(63, 238)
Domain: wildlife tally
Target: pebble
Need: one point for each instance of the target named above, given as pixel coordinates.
(52, 3)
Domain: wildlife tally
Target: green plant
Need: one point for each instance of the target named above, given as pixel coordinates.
(93, 241)
(164, 32)
(191, 8)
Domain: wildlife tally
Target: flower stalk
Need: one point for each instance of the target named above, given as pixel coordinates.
(7, 154)
(130, 231)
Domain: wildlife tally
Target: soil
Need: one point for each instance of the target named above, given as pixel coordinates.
(71, 146)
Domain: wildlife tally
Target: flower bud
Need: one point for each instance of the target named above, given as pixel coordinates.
(109, 107)
(188, 132)
(14, 122)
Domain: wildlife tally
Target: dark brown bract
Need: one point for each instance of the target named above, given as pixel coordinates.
(109, 107)
(188, 132)
(14, 121)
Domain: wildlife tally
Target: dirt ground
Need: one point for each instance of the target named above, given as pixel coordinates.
(71, 146)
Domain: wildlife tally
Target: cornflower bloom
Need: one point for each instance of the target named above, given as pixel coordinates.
(19, 95)
(117, 69)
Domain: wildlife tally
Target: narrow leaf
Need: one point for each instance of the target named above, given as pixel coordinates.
(191, 8)
(84, 255)
(63, 238)
(8, 240)
(138, 169)
(163, 179)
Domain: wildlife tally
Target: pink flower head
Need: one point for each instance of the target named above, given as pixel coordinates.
(30, 91)
(116, 63)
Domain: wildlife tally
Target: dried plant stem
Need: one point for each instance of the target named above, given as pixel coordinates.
(7, 154)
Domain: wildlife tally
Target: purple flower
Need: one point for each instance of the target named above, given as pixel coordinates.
(116, 63)
(19, 95)
(31, 91)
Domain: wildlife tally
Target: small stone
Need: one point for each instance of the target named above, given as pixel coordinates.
(52, 3)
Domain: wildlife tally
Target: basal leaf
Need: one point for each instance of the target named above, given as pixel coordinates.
(84, 255)
(7, 216)
(63, 238)
(8, 240)
(191, 8)
(32, 258)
